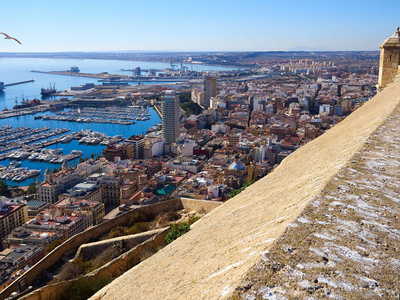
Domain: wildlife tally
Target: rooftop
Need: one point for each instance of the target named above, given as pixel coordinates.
(9, 209)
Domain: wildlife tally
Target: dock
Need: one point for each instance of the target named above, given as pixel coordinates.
(158, 110)
(19, 82)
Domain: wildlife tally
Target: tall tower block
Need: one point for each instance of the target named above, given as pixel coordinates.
(390, 59)
(210, 90)
(170, 118)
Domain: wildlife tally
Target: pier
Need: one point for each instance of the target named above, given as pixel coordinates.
(19, 82)
(158, 110)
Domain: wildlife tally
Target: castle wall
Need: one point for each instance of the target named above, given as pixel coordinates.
(199, 205)
(388, 65)
(91, 250)
(112, 269)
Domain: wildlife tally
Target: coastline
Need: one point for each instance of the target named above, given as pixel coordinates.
(55, 56)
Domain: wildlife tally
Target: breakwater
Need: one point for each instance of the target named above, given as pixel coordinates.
(19, 82)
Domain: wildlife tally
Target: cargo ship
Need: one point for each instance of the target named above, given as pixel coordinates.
(48, 92)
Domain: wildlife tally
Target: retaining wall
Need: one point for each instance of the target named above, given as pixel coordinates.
(91, 250)
(113, 269)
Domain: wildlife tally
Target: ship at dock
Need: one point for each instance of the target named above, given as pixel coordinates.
(48, 92)
(1, 85)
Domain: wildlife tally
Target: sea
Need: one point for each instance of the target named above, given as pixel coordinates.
(19, 69)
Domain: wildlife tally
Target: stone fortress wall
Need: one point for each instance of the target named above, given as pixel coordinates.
(113, 269)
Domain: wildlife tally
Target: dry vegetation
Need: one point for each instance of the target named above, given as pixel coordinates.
(139, 222)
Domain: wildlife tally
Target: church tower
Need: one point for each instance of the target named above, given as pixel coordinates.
(389, 60)
(48, 176)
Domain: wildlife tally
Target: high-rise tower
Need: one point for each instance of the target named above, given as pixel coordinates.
(210, 90)
(170, 118)
(390, 59)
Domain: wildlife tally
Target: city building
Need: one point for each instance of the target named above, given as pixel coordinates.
(20, 256)
(170, 118)
(11, 216)
(137, 72)
(210, 90)
(57, 183)
(198, 97)
(188, 163)
(49, 225)
(90, 191)
(111, 189)
(135, 147)
(113, 151)
(70, 204)
(91, 166)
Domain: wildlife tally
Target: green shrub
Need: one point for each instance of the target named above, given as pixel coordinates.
(176, 231)
(235, 192)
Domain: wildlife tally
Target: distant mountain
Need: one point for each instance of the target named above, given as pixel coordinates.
(304, 48)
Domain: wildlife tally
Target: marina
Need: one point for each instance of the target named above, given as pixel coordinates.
(13, 142)
(14, 172)
(109, 115)
(17, 70)
(27, 144)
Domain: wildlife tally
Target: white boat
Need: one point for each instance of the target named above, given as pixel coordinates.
(76, 152)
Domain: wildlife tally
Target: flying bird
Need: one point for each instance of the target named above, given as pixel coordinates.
(7, 37)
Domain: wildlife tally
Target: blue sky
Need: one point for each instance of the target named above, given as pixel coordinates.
(192, 25)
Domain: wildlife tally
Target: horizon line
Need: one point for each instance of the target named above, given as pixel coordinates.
(177, 51)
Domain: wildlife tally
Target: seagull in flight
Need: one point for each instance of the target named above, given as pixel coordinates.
(7, 37)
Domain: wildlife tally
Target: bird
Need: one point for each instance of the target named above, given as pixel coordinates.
(7, 37)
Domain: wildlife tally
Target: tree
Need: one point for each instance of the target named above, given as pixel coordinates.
(4, 189)
(17, 191)
(81, 160)
(191, 108)
(235, 192)
(31, 189)
(185, 97)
